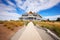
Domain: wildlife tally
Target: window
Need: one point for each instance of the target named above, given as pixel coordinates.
(30, 18)
(34, 15)
(24, 15)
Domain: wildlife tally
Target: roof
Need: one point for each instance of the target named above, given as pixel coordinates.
(30, 12)
(33, 13)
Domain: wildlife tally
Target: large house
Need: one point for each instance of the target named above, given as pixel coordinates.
(30, 16)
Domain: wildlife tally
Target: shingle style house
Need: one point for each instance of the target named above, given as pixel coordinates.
(30, 16)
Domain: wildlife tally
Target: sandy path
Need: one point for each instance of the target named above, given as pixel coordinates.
(30, 33)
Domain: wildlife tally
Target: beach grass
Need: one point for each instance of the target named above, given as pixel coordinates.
(53, 26)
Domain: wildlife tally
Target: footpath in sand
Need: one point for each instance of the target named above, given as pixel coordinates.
(31, 32)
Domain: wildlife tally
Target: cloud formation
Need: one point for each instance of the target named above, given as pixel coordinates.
(8, 12)
(36, 5)
(29, 5)
(9, 9)
(9, 16)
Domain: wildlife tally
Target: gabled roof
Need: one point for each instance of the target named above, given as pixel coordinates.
(33, 13)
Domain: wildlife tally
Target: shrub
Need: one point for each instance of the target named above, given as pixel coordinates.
(1, 22)
(9, 27)
(5, 25)
(12, 29)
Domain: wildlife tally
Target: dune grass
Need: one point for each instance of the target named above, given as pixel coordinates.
(53, 26)
(12, 24)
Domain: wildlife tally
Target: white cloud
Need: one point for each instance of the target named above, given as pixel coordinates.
(9, 16)
(10, 3)
(4, 7)
(8, 12)
(28, 5)
(36, 5)
(51, 17)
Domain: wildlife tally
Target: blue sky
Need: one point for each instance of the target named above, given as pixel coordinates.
(13, 9)
(55, 10)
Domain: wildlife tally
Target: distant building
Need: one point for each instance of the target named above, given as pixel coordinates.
(30, 16)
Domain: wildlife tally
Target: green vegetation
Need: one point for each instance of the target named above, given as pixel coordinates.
(1, 22)
(53, 26)
(12, 24)
(26, 22)
(58, 19)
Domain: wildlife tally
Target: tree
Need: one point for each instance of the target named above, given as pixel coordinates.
(58, 19)
(48, 20)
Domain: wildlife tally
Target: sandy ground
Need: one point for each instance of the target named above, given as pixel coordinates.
(44, 34)
(31, 32)
(5, 33)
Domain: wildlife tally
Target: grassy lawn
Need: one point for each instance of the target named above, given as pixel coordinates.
(53, 26)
